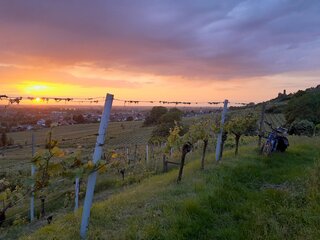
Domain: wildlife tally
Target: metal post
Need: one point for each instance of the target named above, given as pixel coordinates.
(96, 156)
(219, 140)
(76, 190)
(33, 170)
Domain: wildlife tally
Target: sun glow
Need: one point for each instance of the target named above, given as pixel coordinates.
(36, 88)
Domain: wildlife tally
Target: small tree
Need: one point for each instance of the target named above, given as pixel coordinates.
(175, 140)
(167, 122)
(172, 116)
(241, 125)
(47, 168)
(9, 196)
(203, 130)
(155, 114)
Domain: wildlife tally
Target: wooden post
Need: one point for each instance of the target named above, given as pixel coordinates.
(219, 140)
(165, 163)
(76, 191)
(261, 124)
(96, 156)
(33, 170)
(185, 150)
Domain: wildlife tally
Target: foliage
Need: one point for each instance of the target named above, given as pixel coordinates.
(304, 106)
(161, 131)
(174, 139)
(241, 125)
(50, 163)
(167, 122)
(203, 129)
(172, 116)
(155, 114)
(317, 130)
(10, 194)
(46, 167)
(303, 127)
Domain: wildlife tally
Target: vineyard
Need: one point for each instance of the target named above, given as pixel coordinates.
(125, 138)
(276, 120)
(238, 198)
(127, 143)
(128, 140)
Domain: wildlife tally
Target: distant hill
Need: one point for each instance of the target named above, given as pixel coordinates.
(278, 104)
(299, 111)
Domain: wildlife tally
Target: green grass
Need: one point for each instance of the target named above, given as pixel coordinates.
(244, 197)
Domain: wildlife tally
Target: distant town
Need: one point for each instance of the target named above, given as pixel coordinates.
(14, 118)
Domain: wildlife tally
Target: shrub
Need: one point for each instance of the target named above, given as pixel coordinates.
(317, 130)
(155, 115)
(303, 127)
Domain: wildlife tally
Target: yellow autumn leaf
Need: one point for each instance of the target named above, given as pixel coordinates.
(57, 152)
(114, 155)
(89, 165)
(102, 168)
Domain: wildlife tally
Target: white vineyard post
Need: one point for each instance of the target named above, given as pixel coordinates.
(33, 170)
(219, 140)
(96, 157)
(76, 191)
(147, 154)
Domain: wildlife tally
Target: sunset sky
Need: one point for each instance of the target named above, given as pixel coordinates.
(159, 50)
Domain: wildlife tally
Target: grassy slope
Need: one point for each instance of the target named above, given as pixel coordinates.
(249, 197)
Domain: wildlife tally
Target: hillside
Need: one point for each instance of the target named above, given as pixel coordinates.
(248, 197)
(278, 104)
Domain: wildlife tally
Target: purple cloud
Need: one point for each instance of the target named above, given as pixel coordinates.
(193, 39)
